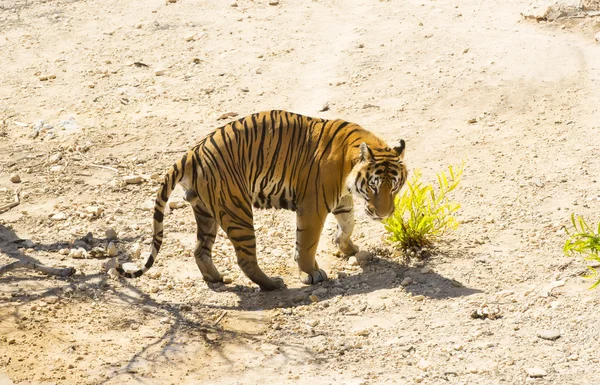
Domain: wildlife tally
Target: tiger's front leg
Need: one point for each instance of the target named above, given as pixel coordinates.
(344, 214)
(308, 233)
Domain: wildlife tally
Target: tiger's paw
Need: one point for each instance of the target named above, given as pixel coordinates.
(349, 248)
(345, 247)
(313, 277)
(276, 283)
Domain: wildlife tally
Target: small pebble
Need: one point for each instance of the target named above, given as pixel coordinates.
(363, 256)
(535, 372)
(227, 280)
(313, 323)
(549, 334)
(94, 210)
(406, 281)
(133, 179)
(273, 2)
(313, 298)
(59, 217)
(419, 297)
(424, 364)
(111, 234)
(426, 270)
(352, 261)
(111, 249)
(15, 178)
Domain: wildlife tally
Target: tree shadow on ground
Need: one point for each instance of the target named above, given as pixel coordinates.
(187, 321)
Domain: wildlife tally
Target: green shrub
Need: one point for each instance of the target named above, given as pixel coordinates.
(586, 242)
(424, 213)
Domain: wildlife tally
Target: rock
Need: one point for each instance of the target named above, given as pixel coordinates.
(227, 280)
(320, 292)
(159, 72)
(136, 250)
(59, 217)
(419, 297)
(133, 179)
(111, 234)
(190, 37)
(426, 270)
(88, 238)
(45, 77)
(111, 249)
(362, 332)
(549, 334)
(535, 372)
(597, 37)
(363, 256)
(55, 158)
(406, 281)
(97, 252)
(15, 178)
(324, 108)
(273, 2)
(352, 261)
(94, 210)
(63, 251)
(233, 5)
(28, 244)
(174, 205)
(313, 298)
(313, 323)
(424, 364)
(228, 115)
(77, 253)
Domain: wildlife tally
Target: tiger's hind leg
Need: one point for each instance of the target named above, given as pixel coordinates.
(206, 233)
(308, 233)
(239, 226)
(344, 214)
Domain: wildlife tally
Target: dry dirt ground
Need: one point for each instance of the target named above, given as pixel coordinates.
(458, 80)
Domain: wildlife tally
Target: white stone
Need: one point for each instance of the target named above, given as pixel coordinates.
(536, 372)
(426, 270)
(112, 250)
(94, 210)
(406, 281)
(352, 261)
(59, 217)
(424, 364)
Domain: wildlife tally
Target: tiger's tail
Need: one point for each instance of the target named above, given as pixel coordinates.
(173, 176)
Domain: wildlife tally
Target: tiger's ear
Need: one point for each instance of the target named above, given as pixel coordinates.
(366, 155)
(400, 149)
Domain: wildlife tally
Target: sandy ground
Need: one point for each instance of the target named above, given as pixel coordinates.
(415, 70)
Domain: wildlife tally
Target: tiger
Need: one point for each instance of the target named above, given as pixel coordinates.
(282, 160)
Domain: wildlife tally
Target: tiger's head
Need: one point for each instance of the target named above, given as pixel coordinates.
(377, 177)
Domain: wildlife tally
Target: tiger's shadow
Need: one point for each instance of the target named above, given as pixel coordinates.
(377, 274)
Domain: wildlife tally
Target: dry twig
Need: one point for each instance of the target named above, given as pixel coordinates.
(13, 204)
(65, 272)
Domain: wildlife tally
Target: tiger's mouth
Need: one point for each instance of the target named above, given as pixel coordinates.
(372, 215)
